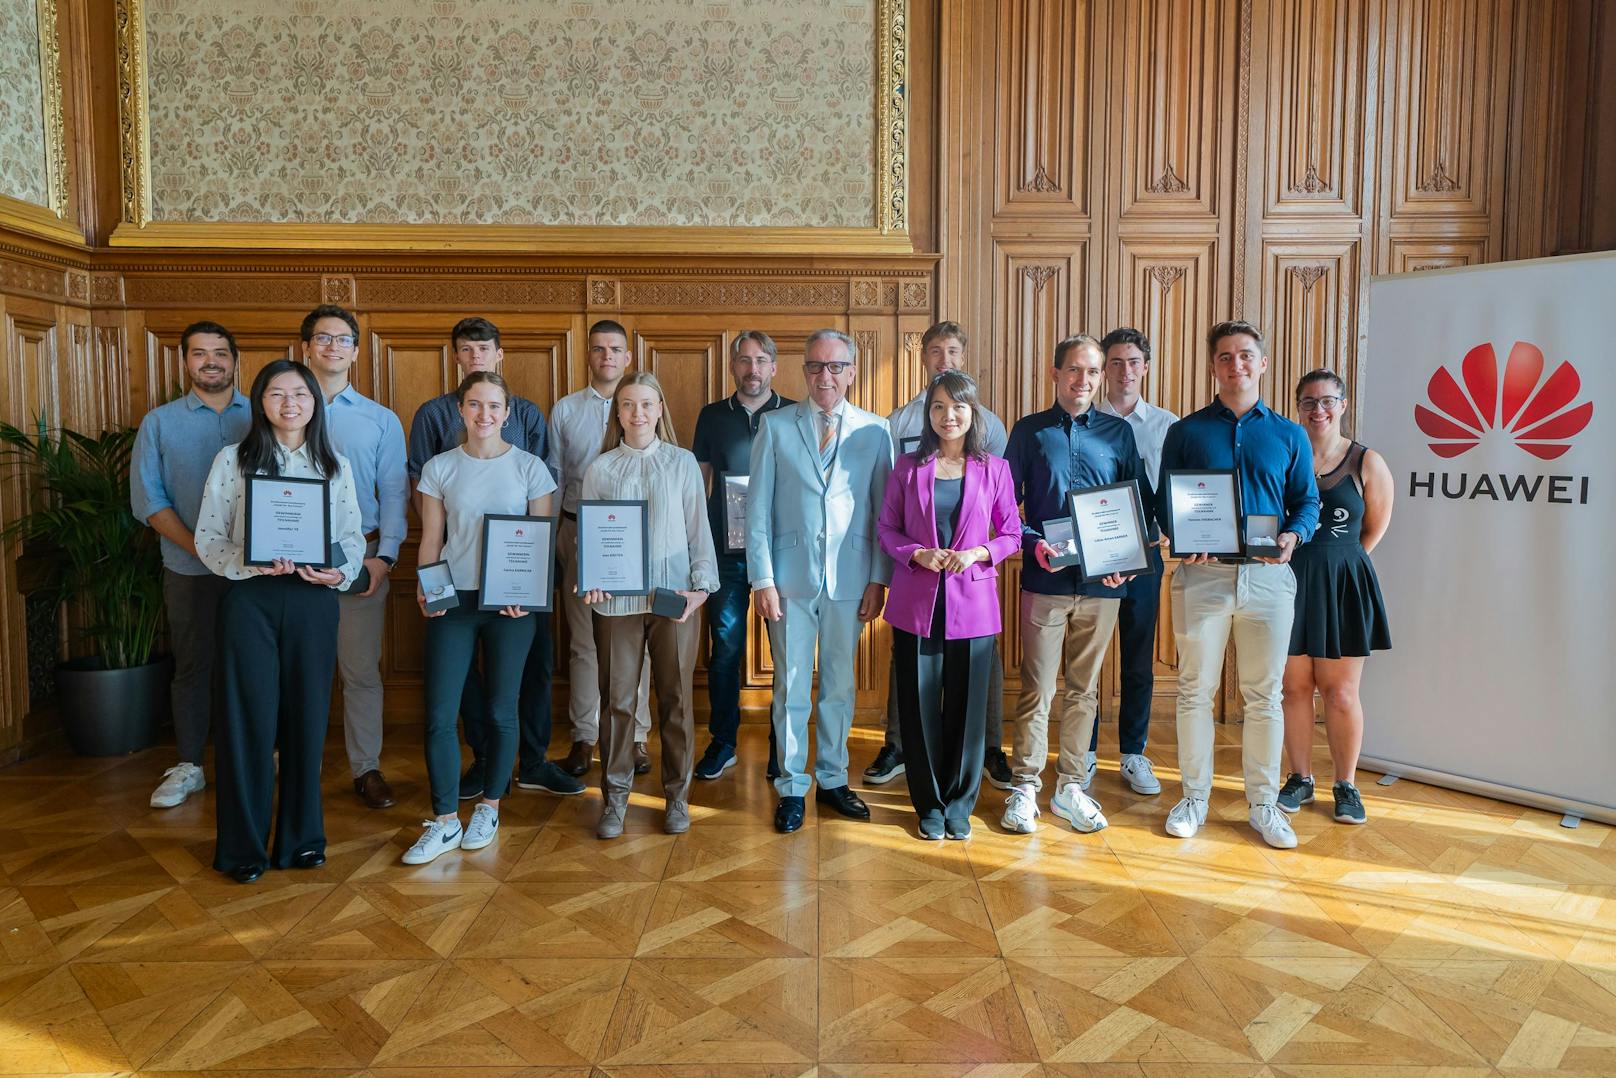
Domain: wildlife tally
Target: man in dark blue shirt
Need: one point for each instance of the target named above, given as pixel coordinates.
(1071, 446)
(1254, 599)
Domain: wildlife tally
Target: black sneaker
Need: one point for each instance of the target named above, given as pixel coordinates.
(1348, 803)
(997, 769)
(549, 778)
(715, 761)
(471, 783)
(888, 765)
(1298, 791)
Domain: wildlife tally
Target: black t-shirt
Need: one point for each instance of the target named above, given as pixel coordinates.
(723, 441)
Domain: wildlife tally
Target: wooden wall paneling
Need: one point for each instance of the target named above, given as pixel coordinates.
(1409, 255)
(1535, 129)
(967, 135)
(1042, 109)
(1309, 309)
(1167, 288)
(1038, 287)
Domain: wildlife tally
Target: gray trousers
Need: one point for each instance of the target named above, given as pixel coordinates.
(992, 733)
(359, 657)
(192, 606)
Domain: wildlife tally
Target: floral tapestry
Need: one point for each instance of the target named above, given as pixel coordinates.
(24, 166)
(566, 112)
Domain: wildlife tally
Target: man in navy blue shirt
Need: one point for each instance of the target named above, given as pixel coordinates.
(1254, 599)
(1070, 446)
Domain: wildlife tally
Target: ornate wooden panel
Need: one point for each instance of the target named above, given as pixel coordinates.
(1042, 105)
(1309, 313)
(1166, 288)
(1038, 286)
(1410, 254)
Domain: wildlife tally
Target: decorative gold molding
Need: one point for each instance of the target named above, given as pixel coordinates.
(887, 233)
(49, 220)
(134, 124)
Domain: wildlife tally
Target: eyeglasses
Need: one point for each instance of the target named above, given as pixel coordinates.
(341, 340)
(1311, 404)
(813, 366)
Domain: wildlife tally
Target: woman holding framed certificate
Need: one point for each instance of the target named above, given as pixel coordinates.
(280, 517)
(642, 521)
(1340, 615)
(485, 527)
(947, 520)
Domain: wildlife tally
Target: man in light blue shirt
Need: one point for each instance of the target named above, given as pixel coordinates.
(169, 467)
(372, 439)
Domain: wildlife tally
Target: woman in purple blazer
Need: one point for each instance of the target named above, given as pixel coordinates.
(948, 519)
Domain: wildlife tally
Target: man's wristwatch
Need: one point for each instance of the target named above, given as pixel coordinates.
(390, 561)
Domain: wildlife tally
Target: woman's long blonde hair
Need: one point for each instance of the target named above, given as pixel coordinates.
(614, 427)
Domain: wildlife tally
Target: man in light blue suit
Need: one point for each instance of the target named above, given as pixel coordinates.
(819, 470)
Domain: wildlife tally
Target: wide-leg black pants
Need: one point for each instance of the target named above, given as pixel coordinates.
(277, 655)
(942, 711)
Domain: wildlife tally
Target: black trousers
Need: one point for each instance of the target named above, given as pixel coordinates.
(942, 711)
(1136, 657)
(277, 656)
(532, 710)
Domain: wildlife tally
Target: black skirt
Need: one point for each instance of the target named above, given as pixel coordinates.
(1339, 609)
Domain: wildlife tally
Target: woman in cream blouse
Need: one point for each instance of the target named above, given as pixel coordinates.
(278, 632)
(641, 462)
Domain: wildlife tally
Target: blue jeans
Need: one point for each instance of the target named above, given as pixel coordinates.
(727, 612)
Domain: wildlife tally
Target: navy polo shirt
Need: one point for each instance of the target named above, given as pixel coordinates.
(1271, 454)
(723, 441)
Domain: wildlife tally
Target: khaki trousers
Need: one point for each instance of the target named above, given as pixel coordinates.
(621, 644)
(1046, 622)
(1256, 604)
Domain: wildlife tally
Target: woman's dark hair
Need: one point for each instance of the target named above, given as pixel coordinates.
(961, 389)
(1323, 374)
(257, 454)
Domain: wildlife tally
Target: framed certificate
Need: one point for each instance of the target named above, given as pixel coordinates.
(518, 563)
(437, 585)
(614, 547)
(908, 445)
(1109, 522)
(1060, 535)
(1205, 508)
(734, 487)
(287, 518)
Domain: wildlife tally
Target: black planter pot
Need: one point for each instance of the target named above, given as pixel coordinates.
(112, 712)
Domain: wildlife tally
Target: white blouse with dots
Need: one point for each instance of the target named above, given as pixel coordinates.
(221, 521)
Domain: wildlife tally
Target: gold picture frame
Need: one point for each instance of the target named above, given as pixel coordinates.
(887, 234)
(49, 220)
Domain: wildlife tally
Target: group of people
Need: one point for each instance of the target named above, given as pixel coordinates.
(848, 517)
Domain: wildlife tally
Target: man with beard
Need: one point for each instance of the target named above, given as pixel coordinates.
(173, 451)
(723, 447)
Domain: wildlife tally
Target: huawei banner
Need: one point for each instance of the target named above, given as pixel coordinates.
(1492, 394)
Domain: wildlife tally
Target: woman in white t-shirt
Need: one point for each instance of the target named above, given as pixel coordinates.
(641, 462)
(484, 475)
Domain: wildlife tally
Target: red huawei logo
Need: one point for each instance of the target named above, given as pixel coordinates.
(520, 533)
(1533, 409)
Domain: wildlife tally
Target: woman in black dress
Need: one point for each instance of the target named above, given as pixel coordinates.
(1340, 616)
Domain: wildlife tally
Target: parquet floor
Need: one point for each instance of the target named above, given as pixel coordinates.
(1453, 935)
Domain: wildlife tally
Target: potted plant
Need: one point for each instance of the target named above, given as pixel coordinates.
(93, 551)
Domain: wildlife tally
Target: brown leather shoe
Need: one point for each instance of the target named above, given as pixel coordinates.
(642, 759)
(579, 759)
(373, 790)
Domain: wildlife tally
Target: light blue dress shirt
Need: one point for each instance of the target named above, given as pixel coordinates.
(173, 451)
(372, 439)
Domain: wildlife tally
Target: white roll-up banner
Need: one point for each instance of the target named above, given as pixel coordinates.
(1491, 392)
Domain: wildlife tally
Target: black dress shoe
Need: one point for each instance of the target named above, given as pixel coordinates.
(247, 873)
(309, 859)
(788, 815)
(843, 800)
(642, 759)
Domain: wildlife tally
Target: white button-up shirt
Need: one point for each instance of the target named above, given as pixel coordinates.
(221, 522)
(907, 422)
(1149, 425)
(577, 429)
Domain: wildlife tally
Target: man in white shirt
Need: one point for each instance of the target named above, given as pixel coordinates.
(1127, 364)
(942, 348)
(577, 429)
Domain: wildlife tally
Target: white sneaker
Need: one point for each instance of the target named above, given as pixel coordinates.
(1082, 811)
(1137, 774)
(1089, 767)
(440, 836)
(1272, 825)
(179, 782)
(1187, 817)
(1020, 811)
(482, 829)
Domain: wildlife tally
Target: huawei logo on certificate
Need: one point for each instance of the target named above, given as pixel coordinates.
(1534, 412)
